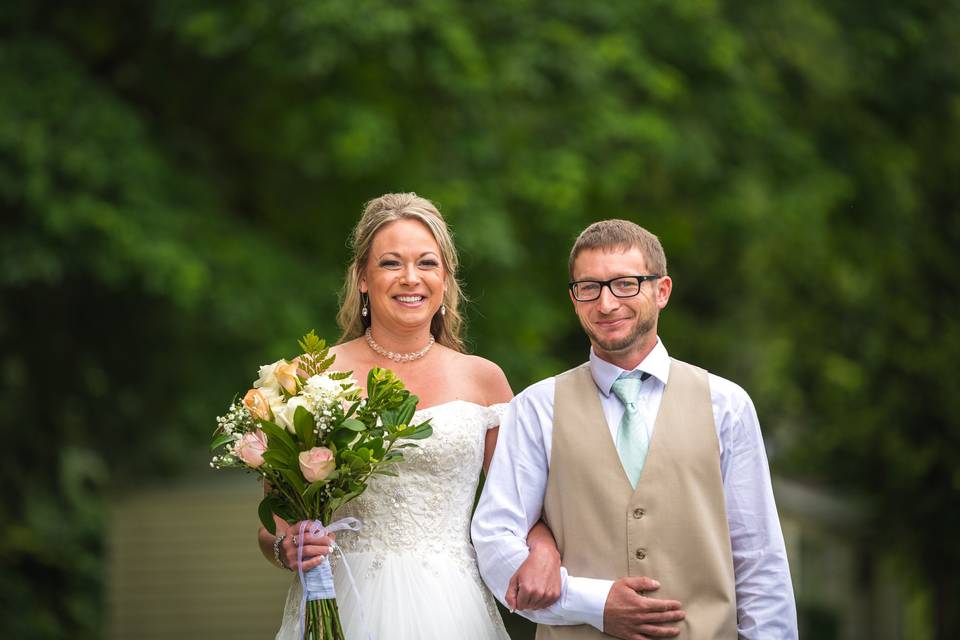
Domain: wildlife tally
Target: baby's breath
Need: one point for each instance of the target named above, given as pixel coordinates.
(236, 421)
(225, 461)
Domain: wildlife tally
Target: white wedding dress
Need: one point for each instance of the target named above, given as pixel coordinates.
(414, 566)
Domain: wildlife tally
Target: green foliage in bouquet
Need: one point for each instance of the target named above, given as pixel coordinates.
(312, 437)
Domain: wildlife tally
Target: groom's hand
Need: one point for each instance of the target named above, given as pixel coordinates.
(631, 615)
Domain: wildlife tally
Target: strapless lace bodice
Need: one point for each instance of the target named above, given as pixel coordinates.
(428, 506)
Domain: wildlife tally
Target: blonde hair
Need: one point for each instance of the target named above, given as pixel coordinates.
(446, 328)
(621, 234)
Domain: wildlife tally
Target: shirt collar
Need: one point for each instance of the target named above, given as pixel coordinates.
(657, 364)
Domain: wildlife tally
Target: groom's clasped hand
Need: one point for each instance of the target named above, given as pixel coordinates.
(631, 614)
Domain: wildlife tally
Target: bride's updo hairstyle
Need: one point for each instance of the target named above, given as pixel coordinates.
(382, 211)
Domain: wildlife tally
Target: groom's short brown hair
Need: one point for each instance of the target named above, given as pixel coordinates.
(608, 235)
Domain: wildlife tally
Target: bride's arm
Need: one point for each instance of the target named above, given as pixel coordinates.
(493, 389)
(536, 584)
(265, 539)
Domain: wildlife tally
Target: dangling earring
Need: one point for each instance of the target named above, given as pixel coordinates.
(443, 309)
(364, 312)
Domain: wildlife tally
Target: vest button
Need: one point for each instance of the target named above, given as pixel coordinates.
(639, 513)
(641, 554)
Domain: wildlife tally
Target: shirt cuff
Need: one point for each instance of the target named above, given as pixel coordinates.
(585, 599)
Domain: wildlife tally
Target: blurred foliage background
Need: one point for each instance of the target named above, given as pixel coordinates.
(178, 179)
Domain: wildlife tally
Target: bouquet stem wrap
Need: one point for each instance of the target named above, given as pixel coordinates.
(321, 621)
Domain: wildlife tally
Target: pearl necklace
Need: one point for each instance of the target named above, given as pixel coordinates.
(397, 357)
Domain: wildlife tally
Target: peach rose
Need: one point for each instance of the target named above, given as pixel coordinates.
(287, 376)
(317, 463)
(257, 404)
(250, 448)
(268, 377)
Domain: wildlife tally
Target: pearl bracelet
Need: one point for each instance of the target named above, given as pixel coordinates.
(276, 550)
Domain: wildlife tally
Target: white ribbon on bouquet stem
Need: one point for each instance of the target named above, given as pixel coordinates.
(317, 583)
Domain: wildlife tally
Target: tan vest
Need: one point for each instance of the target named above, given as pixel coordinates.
(672, 528)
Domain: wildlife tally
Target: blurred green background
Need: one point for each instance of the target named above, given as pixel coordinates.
(178, 180)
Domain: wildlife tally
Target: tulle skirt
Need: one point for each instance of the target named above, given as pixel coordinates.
(406, 596)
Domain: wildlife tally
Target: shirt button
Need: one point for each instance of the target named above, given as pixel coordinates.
(638, 513)
(641, 554)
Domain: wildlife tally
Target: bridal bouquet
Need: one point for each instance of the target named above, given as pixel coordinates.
(307, 432)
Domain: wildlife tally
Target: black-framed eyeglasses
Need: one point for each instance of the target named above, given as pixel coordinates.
(622, 287)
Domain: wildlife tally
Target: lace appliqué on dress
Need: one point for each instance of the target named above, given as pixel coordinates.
(427, 507)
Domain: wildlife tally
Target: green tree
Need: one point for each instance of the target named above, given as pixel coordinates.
(178, 180)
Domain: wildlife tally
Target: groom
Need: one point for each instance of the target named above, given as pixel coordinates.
(650, 472)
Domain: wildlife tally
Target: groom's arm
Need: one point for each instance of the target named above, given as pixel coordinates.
(765, 602)
(511, 504)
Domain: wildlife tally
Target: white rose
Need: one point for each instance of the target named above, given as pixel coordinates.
(322, 385)
(276, 404)
(286, 412)
(272, 394)
(268, 377)
(353, 385)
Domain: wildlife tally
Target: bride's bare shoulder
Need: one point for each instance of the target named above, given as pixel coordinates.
(348, 349)
(487, 380)
(347, 357)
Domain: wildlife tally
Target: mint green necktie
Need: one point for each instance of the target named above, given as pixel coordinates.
(632, 442)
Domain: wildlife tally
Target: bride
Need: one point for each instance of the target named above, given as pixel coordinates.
(413, 563)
